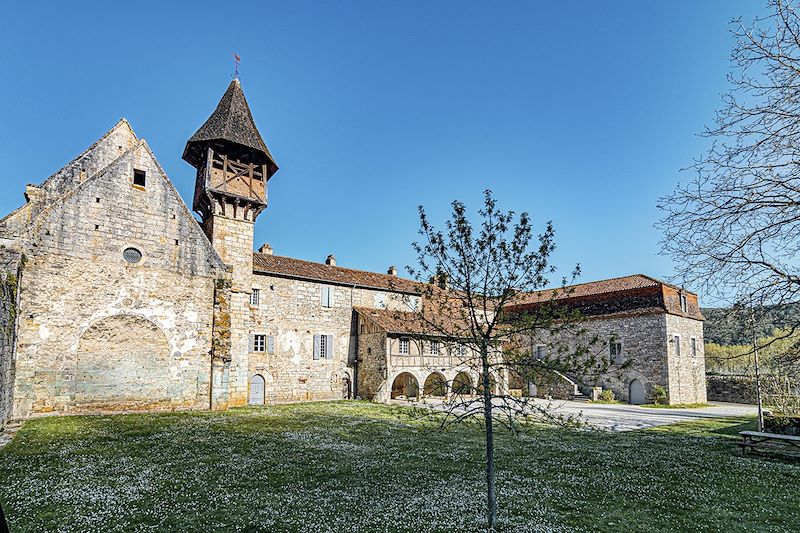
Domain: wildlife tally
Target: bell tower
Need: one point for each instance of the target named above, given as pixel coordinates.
(233, 167)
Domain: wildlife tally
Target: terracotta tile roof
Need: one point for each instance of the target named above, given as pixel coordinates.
(411, 323)
(636, 293)
(297, 268)
(591, 288)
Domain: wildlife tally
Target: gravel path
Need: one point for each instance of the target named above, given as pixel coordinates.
(625, 417)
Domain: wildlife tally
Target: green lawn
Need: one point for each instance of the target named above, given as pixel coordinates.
(354, 466)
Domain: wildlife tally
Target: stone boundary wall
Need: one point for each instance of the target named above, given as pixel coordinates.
(10, 263)
(735, 389)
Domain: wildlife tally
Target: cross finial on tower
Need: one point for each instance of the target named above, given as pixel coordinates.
(236, 60)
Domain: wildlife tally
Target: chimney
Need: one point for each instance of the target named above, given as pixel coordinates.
(331, 260)
(265, 249)
(392, 270)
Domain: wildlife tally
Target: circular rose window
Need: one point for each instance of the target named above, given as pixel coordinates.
(132, 255)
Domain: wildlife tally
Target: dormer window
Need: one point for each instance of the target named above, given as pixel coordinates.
(139, 177)
(684, 305)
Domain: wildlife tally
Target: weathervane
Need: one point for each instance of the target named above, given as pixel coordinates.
(236, 60)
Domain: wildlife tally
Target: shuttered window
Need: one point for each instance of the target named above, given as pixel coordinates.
(270, 344)
(326, 296)
(323, 346)
(258, 342)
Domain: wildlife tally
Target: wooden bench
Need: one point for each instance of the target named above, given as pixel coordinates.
(758, 439)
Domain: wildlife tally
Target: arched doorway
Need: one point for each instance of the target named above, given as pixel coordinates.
(347, 387)
(636, 392)
(256, 390)
(435, 385)
(462, 384)
(405, 385)
(123, 362)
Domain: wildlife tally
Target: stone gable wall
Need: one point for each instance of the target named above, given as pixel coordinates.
(78, 296)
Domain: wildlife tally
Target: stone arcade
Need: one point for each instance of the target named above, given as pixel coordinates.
(115, 298)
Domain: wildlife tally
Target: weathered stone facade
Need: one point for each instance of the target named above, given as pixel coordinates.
(290, 311)
(96, 331)
(114, 297)
(659, 329)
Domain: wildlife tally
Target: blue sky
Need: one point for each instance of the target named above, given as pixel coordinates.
(581, 113)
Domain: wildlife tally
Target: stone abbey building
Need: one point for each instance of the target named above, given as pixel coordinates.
(114, 297)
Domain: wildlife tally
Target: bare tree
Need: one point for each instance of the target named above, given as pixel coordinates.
(487, 307)
(734, 230)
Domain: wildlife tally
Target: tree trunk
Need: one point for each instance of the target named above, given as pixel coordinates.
(491, 497)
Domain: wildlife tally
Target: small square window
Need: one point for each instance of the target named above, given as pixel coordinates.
(139, 177)
(404, 346)
(255, 297)
(434, 347)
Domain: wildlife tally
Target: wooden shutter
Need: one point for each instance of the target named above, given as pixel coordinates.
(325, 296)
(316, 346)
(271, 344)
(329, 347)
(252, 343)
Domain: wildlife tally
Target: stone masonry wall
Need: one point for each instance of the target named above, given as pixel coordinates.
(10, 263)
(736, 389)
(687, 370)
(97, 332)
(232, 238)
(290, 310)
(644, 344)
(372, 371)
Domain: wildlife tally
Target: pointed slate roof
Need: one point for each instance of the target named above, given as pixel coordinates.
(231, 121)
